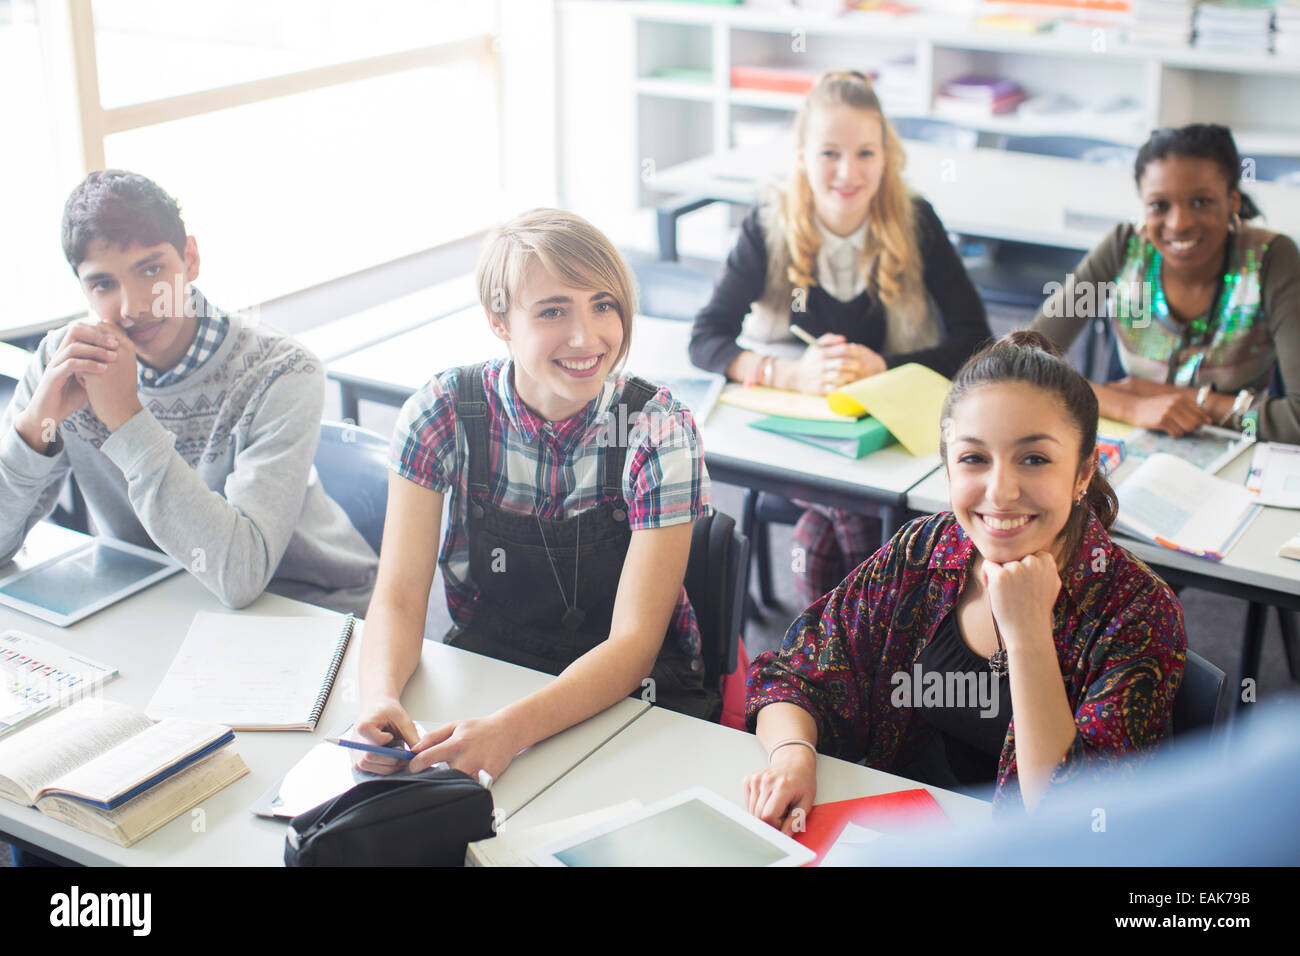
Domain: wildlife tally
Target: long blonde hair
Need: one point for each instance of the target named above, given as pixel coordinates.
(891, 261)
(569, 248)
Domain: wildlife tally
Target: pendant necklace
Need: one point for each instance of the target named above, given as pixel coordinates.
(573, 615)
(998, 659)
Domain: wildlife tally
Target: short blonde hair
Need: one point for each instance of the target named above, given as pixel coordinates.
(568, 247)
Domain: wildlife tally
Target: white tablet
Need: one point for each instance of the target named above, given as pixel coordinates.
(693, 828)
(76, 584)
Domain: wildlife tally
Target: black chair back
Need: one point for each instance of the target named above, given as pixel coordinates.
(1196, 707)
(717, 580)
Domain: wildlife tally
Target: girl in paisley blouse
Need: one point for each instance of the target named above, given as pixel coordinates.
(1204, 306)
(1015, 602)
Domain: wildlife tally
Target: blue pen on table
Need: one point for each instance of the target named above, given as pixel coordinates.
(371, 748)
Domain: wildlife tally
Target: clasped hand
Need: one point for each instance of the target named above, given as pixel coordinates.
(1021, 595)
(833, 362)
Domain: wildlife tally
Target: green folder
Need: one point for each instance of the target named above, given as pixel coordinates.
(851, 439)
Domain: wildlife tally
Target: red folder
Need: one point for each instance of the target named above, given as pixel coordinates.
(887, 812)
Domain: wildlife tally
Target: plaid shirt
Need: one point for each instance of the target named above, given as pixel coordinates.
(209, 333)
(551, 469)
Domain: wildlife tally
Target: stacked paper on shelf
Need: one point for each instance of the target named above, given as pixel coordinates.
(1162, 22)
(976, 97)
(1286, 24)
(899, 86)
(1015, 22)
(1235, 26)
(1090, 31)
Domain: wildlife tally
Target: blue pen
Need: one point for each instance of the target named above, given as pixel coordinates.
(371, 748)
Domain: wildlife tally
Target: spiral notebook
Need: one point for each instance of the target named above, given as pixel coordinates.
(254, 673)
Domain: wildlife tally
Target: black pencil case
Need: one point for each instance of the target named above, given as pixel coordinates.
(422, 819)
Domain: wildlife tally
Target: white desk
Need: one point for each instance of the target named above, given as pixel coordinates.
(391, 370)
(978, 192)
(663, 753)
(141, 635)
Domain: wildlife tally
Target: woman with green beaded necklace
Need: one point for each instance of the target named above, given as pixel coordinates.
(1203, 306)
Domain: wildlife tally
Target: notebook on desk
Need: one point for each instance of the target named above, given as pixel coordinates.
(255, 673)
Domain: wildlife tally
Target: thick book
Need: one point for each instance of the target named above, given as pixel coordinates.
(852, 439)
(1177, 505)
(255, 673)
(108, 769)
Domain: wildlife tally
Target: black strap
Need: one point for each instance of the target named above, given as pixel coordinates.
(636, 393)
(472, 412)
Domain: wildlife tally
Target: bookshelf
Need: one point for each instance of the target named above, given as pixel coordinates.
(668, 65)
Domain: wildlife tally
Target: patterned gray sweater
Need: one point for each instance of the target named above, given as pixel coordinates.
(216, 471)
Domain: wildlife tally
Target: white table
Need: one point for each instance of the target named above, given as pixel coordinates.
(391, 370)
(140, 636)
(663, 753)
(979, 192)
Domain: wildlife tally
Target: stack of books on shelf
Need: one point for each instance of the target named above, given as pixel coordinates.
(772, 79)
(1235, 26)
(1286, 26)
(1015, 22)
(899, 86)
(1166, 23)
(973, 97)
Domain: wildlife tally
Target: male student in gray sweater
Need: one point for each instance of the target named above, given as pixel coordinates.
(187, 429)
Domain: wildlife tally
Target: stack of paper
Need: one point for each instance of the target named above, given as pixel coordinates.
(1235, 26)
(905, 402)
(899, 86)
(1286, 26)
(1165, 23)
(1275, 475)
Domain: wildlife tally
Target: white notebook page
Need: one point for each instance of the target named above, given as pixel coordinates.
(248, 671)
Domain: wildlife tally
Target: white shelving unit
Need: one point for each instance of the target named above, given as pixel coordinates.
(669, 65)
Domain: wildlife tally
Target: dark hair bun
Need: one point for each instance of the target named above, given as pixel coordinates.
(1030, 339)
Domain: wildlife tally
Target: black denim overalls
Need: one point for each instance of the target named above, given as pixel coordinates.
(520, 615)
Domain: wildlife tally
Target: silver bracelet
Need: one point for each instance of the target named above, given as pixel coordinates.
(790, 740)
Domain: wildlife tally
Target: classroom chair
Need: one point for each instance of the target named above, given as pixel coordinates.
(939, 132)
(352, 464)
(670, 290)
(1276, 169)
(1196, 706)
(1089, 149)
(717, 580)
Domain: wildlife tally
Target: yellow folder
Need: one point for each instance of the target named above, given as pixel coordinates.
(778, 401)
(908, 400)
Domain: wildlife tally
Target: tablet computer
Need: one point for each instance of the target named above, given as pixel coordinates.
(76, 584)
(693, 828)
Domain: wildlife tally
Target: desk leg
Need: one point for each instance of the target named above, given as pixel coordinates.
(351, 407)
(1286, 620)
(891, 519)
(1252, 644)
